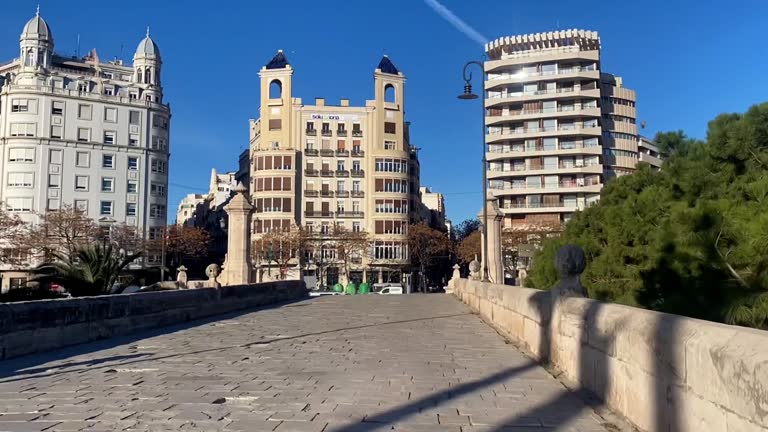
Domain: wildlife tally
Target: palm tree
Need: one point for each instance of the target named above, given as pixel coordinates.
(91, 270)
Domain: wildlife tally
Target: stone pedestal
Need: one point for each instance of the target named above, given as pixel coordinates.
(237, 266)
(494, 259)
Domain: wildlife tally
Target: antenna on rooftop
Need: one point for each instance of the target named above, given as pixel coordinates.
(77, 50)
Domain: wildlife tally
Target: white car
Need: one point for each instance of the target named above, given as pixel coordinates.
(391, 290)
(322, 293)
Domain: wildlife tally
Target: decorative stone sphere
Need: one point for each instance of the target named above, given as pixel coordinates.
(474, 266)
(212, 271)
(570, 261)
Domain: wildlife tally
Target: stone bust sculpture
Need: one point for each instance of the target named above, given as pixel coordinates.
(570, 263)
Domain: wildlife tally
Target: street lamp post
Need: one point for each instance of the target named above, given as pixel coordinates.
(468, 95)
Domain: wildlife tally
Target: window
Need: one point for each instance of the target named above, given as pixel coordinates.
(158, 166)
(340, 185)
(105, 209)
(110, 115)
(133, 163)
(108, 161)
(356, 227)
(82, 159)
(57, 132)
(20, 105)
(134, 117)
(54, 180)
(55, 156)
(390, 127)
(130, 209)
(155, 233)
(133, 140)
(159, 121)
(81, 205)
(84, 112)
(157, 211)
(83, 134)
(157, 190)
(20, 180)
(109, 91)
(275, 124)
(21, 155)
(390, 250)
(53, 204)
(133, 187)
(83, 87)
(107, 184)
(23, 129)
(57, 108)
(19, 205)
(17, 283)
(159, 143)
(81, 183)
(133, 95)
(109, 137)
(389, 145)
(339, 165)
(392, 165)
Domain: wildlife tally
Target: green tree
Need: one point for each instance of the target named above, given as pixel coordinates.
(91, 270)
(691, 239)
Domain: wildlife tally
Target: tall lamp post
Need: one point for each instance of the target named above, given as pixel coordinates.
(468, 95)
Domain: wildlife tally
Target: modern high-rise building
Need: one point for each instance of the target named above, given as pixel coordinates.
(558, 127)
(85, 133)
(319, 166)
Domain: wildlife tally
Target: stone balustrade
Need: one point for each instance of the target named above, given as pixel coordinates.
(662, 372)
(36, 326)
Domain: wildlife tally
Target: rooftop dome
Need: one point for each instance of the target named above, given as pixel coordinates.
(37, 28)
(147, 47)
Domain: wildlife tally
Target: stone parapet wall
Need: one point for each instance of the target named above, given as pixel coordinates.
(662, 372)
(37, 326)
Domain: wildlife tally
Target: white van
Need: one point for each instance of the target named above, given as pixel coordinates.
(391, 290)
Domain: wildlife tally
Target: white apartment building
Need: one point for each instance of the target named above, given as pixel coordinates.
(219, 191)
(85, 133)
(558, 127)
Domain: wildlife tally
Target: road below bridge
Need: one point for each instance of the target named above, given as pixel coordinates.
(332, 364)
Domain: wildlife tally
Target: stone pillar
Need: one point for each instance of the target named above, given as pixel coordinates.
(454, 277)
(182, 278)
(494, 260)
(237, 265)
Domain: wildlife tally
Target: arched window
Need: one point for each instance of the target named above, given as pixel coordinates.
(389, 93)
(275, 89)
(147, 75)
(29, 57)
(139, 76)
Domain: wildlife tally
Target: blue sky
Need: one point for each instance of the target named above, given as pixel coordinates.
(688, 60)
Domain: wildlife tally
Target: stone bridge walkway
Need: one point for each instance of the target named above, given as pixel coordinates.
(332, 364)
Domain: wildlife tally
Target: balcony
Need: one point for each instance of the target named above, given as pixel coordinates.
(326, 132)
(327, 152)
(342, 153)
(357, 133)
(517, 133)
(311, 132)
(342, 173)
(516, 115)
(561, 187)
(310, 193)
(341, 132)
(310, 152)
(357, 153)
(326, 173)
(342, 194)
(325, 214)
(358, 194)
(591, 168)
(498, 79)
(494, 99)
(358, 173)
(310, 172)
(540, 207)
(326, 194)
(349, 214)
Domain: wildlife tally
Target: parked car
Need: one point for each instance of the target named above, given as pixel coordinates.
(391, 290)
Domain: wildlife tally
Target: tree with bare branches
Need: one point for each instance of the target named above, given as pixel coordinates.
(350, 245)
(181, 242)
(63, 231)
(12, 230)
(426, 246)
(283, 248)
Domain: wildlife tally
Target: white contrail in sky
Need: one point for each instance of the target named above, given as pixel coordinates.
(456, 22)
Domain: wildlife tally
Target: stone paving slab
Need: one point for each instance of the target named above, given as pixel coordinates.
(416, 363)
